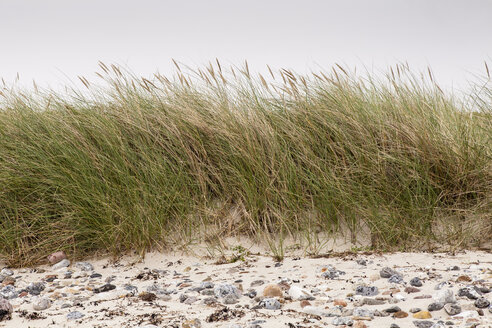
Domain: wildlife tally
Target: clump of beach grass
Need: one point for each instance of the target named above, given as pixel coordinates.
(140, 163)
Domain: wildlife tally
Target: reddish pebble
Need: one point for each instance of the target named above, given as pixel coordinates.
(305, 303)
(57, 257)
(340, 302)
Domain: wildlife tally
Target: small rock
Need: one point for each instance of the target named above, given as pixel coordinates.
(257, 283)
(482, 303)
(6, 309)
(305, 303)
(75, 315)
(338, 321)
(8, 280)
(298, 293)
(147, 297)
(436, 306)
(270, 304)
(35, 288)
(423, 324)
(41, 303)
(6, 272)
(340, 302)
(387, 272)
(104, 288)
(471, 292)
(396, 279)
(367, 290)
(393, 309)
(416, 282)
(84, 266)
(411, 289)
(422, 315)
(62, 264)
(223, 290)
(272, 291)
(57, 257)
(8, 292)
(362, 312)
(445, 296)
(400, 314)
(394, 325)
(463, 278)
(452, 309)
(415, 310)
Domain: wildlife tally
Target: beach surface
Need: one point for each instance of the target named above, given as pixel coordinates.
(362, 289)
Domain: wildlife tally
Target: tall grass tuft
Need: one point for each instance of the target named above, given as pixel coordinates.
(136, 163)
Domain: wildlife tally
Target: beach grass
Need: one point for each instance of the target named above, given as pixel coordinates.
(131, 163)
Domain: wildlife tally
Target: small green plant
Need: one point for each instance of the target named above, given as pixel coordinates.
(239, 253)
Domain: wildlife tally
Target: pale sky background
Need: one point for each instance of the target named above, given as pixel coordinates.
(52, 41)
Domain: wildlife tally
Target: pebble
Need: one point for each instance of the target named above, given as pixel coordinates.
(222, 290)
(422, 315)
(387, 272)
(272, 291)
(84, 266)
(400, 314)
(452, 309)
(6, 308)
(62, 264)
(471, 292)
(298, 293)
(396, 279)
(104, 288)
(423, 324)
(35, 288)
(367, 291)
(482, 303)
(444, 296)
(270, 304)
(416, 282)
(339, 321)
(41, 303)
(56, 257)
(435, 306)
(75, 315)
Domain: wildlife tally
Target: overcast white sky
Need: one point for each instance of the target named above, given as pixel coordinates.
(46, 40)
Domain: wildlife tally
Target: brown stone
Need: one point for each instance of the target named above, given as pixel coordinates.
(8, 281)
(422, 315)
(411, 289)
(340, 302)
(147, 297)
(463, 278)
(305, 303)
(400, 314)
(272, 291)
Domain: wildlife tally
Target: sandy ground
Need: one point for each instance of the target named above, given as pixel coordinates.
(173, 280)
